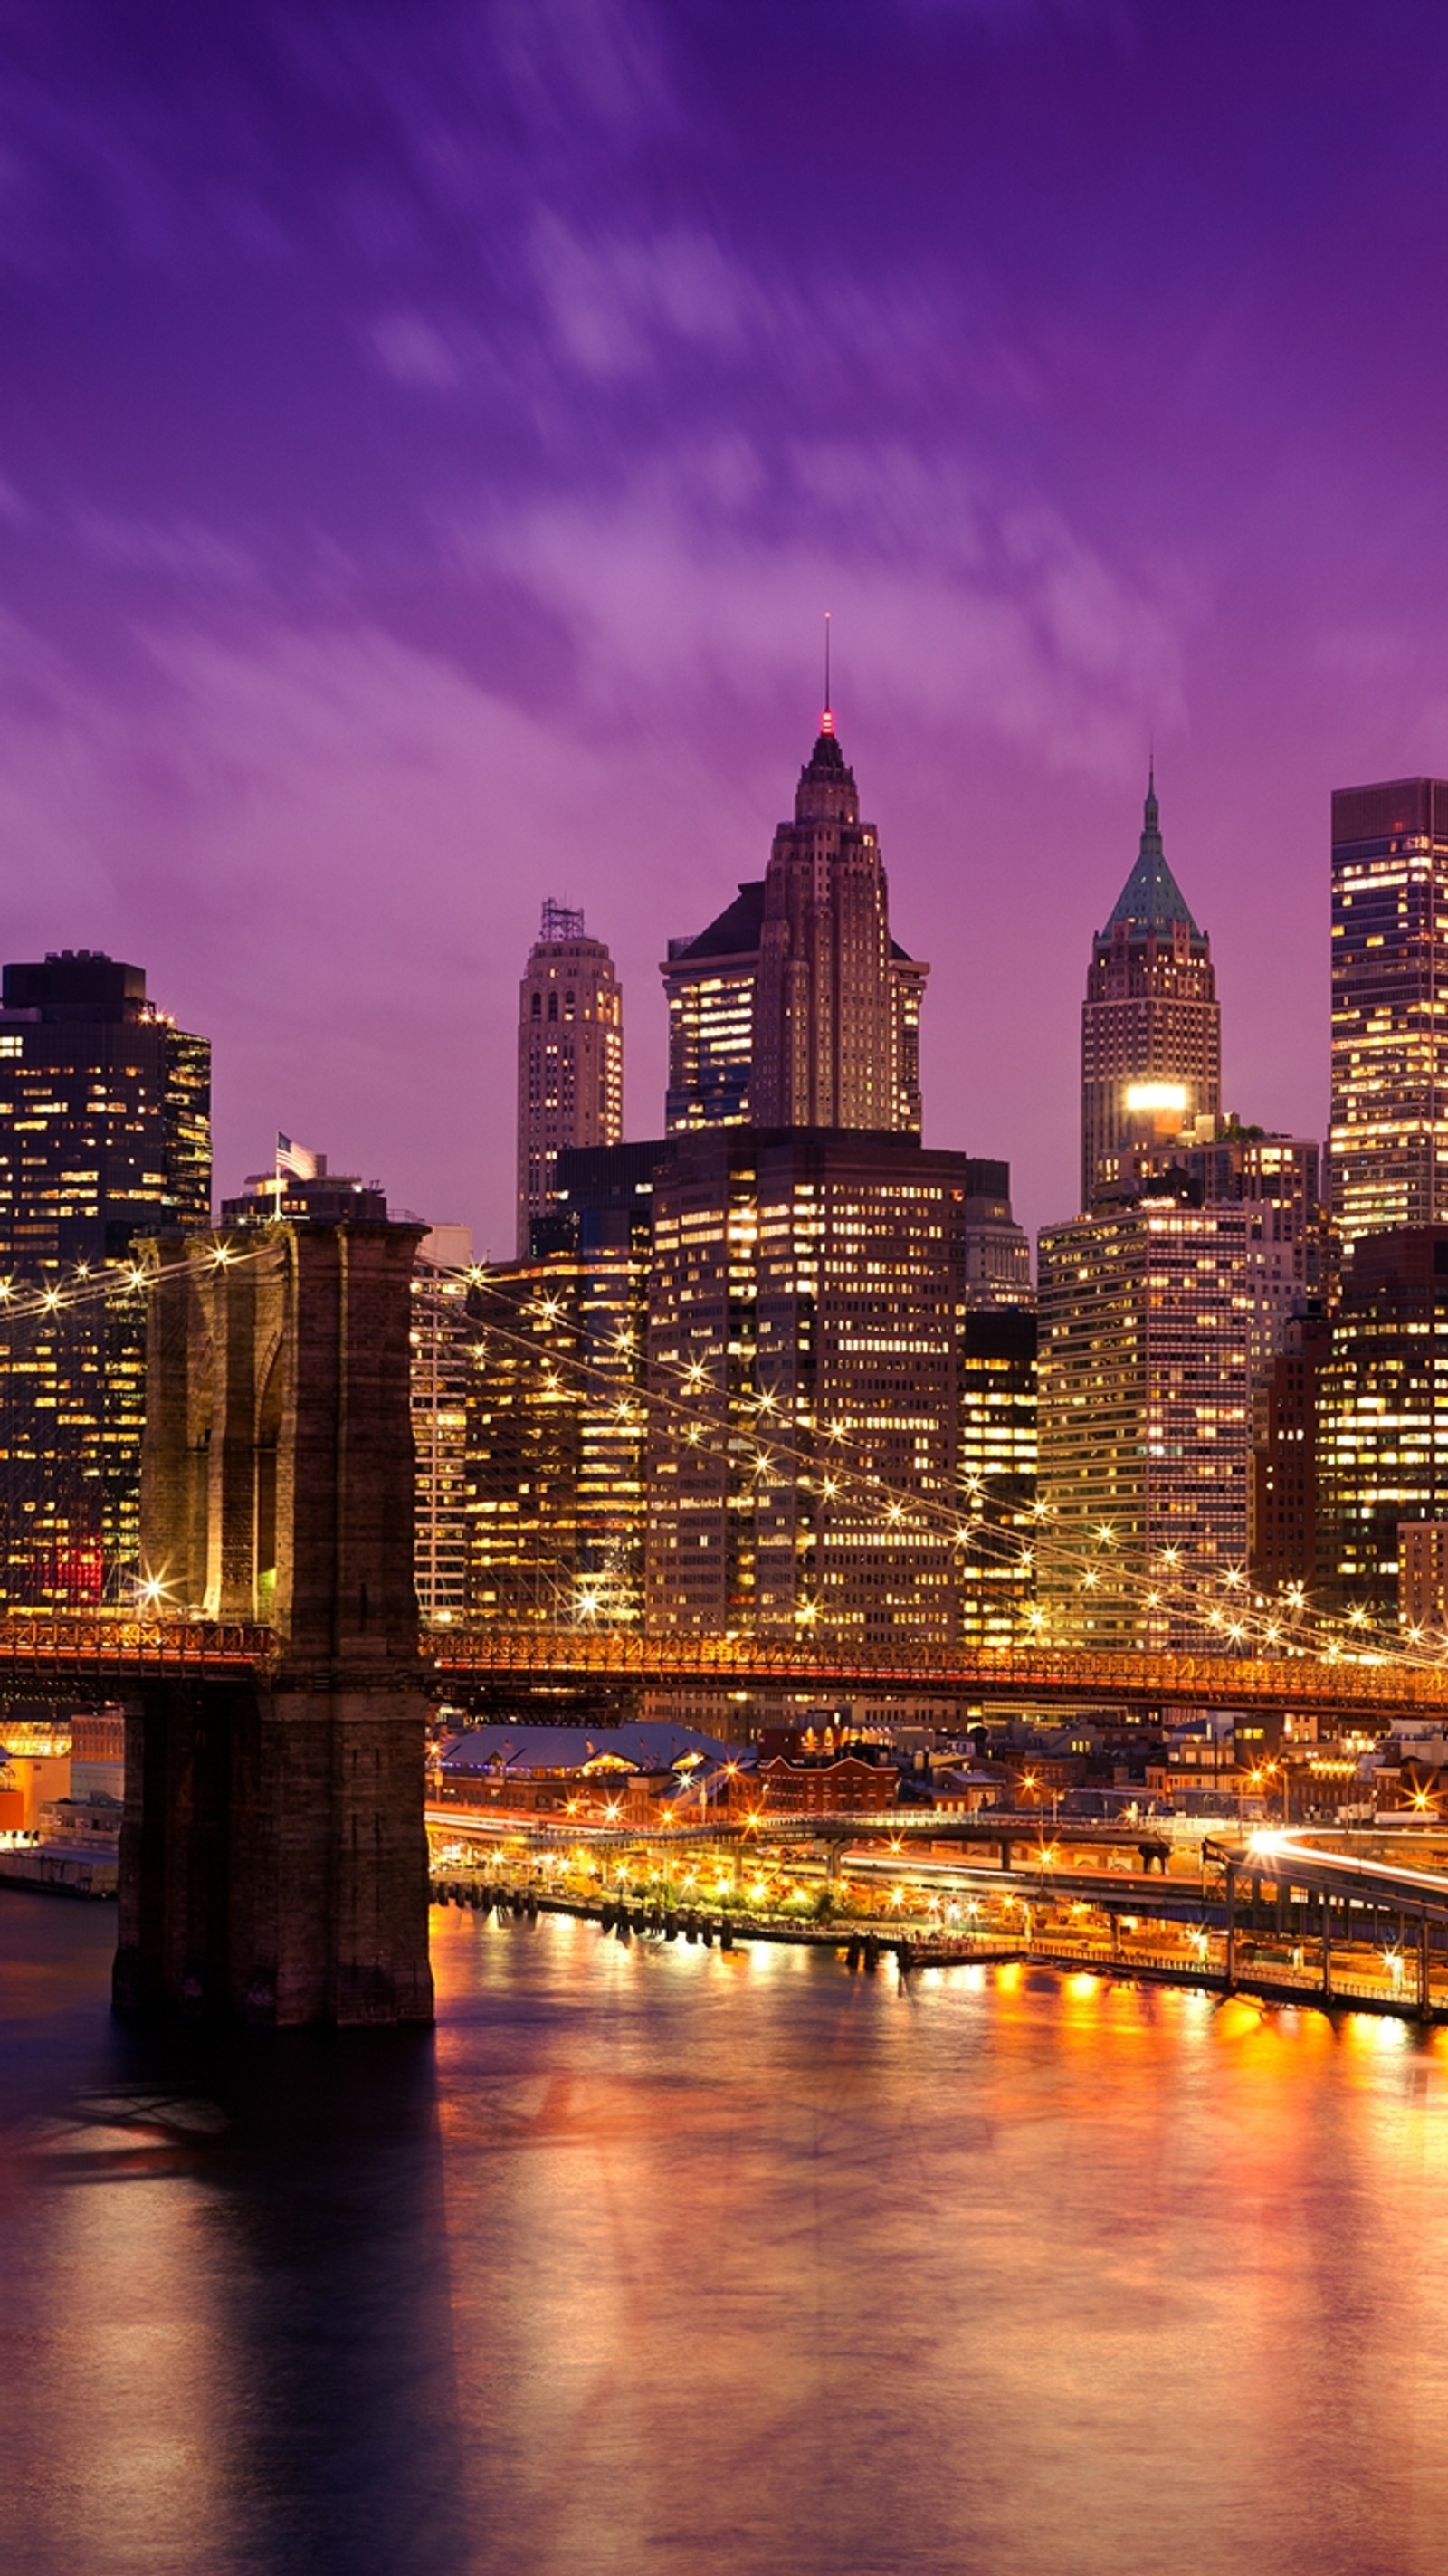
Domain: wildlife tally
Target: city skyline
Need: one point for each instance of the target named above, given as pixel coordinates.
(438, 512)
(723, 1287)
(1025, 1186)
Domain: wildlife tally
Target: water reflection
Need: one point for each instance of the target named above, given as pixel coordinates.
(660, 2258)
(226, 2292)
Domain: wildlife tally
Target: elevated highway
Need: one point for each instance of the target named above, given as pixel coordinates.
(1301, 1858)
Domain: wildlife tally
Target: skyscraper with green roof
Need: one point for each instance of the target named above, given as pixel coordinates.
(1151, 1025)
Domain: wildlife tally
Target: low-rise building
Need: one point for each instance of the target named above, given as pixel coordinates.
(860, 1779)
(98, 1753)
(92, 1823)
(633, 1774)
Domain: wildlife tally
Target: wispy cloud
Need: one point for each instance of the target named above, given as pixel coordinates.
(956, 611)
(200, 559)
(606, 62)
(610, 301)
(416, 351)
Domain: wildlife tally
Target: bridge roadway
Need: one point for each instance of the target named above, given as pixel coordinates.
(1355, 1686)
(108, 1648)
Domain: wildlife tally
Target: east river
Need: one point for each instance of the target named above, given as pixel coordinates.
(659, 2259)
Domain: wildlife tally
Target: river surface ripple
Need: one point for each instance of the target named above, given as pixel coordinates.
(654, 2259)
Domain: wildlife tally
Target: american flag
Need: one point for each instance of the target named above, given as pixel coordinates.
(295, 1160)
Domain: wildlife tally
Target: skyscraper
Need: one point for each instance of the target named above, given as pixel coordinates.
(709, 983)
(997, 1250)
(836, 1010)
(1290, 1256)
(1284, 1530)
(105, 1113)
(805, 1311)
(105, 1136)
(570, 1057)
(1389, 1141)
(796, 1008)
(1151, 1032)
(442, 1371)
(1382, 1432)
(556, 1438)
(1145, 1337)
(997, 1470)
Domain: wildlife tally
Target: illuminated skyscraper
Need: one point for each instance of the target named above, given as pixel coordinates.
(1145, 1320)
(836, 1010)
(105, 1136)
(795, 1007)
(556, 1413)
(570, 1057)
(1151, 1032)
(1290, 1250)
(997, 1472)
(1389, 1142)
(442, 1339)
(709, 982)
(556, 1439)
(1382, 1432)
(805, 1311)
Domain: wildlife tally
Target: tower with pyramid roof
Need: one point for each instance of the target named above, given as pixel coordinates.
(1151, 1027)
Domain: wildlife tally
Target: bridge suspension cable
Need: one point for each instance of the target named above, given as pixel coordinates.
(90, 1284)
(1238, 1617)
(1224, 1607)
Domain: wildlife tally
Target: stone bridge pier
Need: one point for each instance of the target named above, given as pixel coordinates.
(273, 1854)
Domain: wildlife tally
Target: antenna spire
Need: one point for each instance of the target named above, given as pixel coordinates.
(827, 720)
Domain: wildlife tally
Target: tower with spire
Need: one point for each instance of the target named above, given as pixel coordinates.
(835, 1039)
(1151, 1029)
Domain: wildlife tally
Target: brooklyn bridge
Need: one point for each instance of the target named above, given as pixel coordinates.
(277, 1685)
(113, 1649)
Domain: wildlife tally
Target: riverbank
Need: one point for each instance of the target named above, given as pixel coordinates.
(53, 1870)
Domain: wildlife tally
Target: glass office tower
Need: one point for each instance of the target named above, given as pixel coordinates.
(105, 1136)
(1389, 1141)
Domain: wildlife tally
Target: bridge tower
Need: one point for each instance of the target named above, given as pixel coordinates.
(273, 1856)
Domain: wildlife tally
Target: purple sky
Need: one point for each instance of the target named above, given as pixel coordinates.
(429, 436)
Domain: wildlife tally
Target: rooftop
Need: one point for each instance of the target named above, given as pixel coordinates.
(1151, 899)
(647, 1745)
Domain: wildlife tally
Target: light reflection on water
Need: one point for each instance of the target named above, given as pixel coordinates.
(662, 2259)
